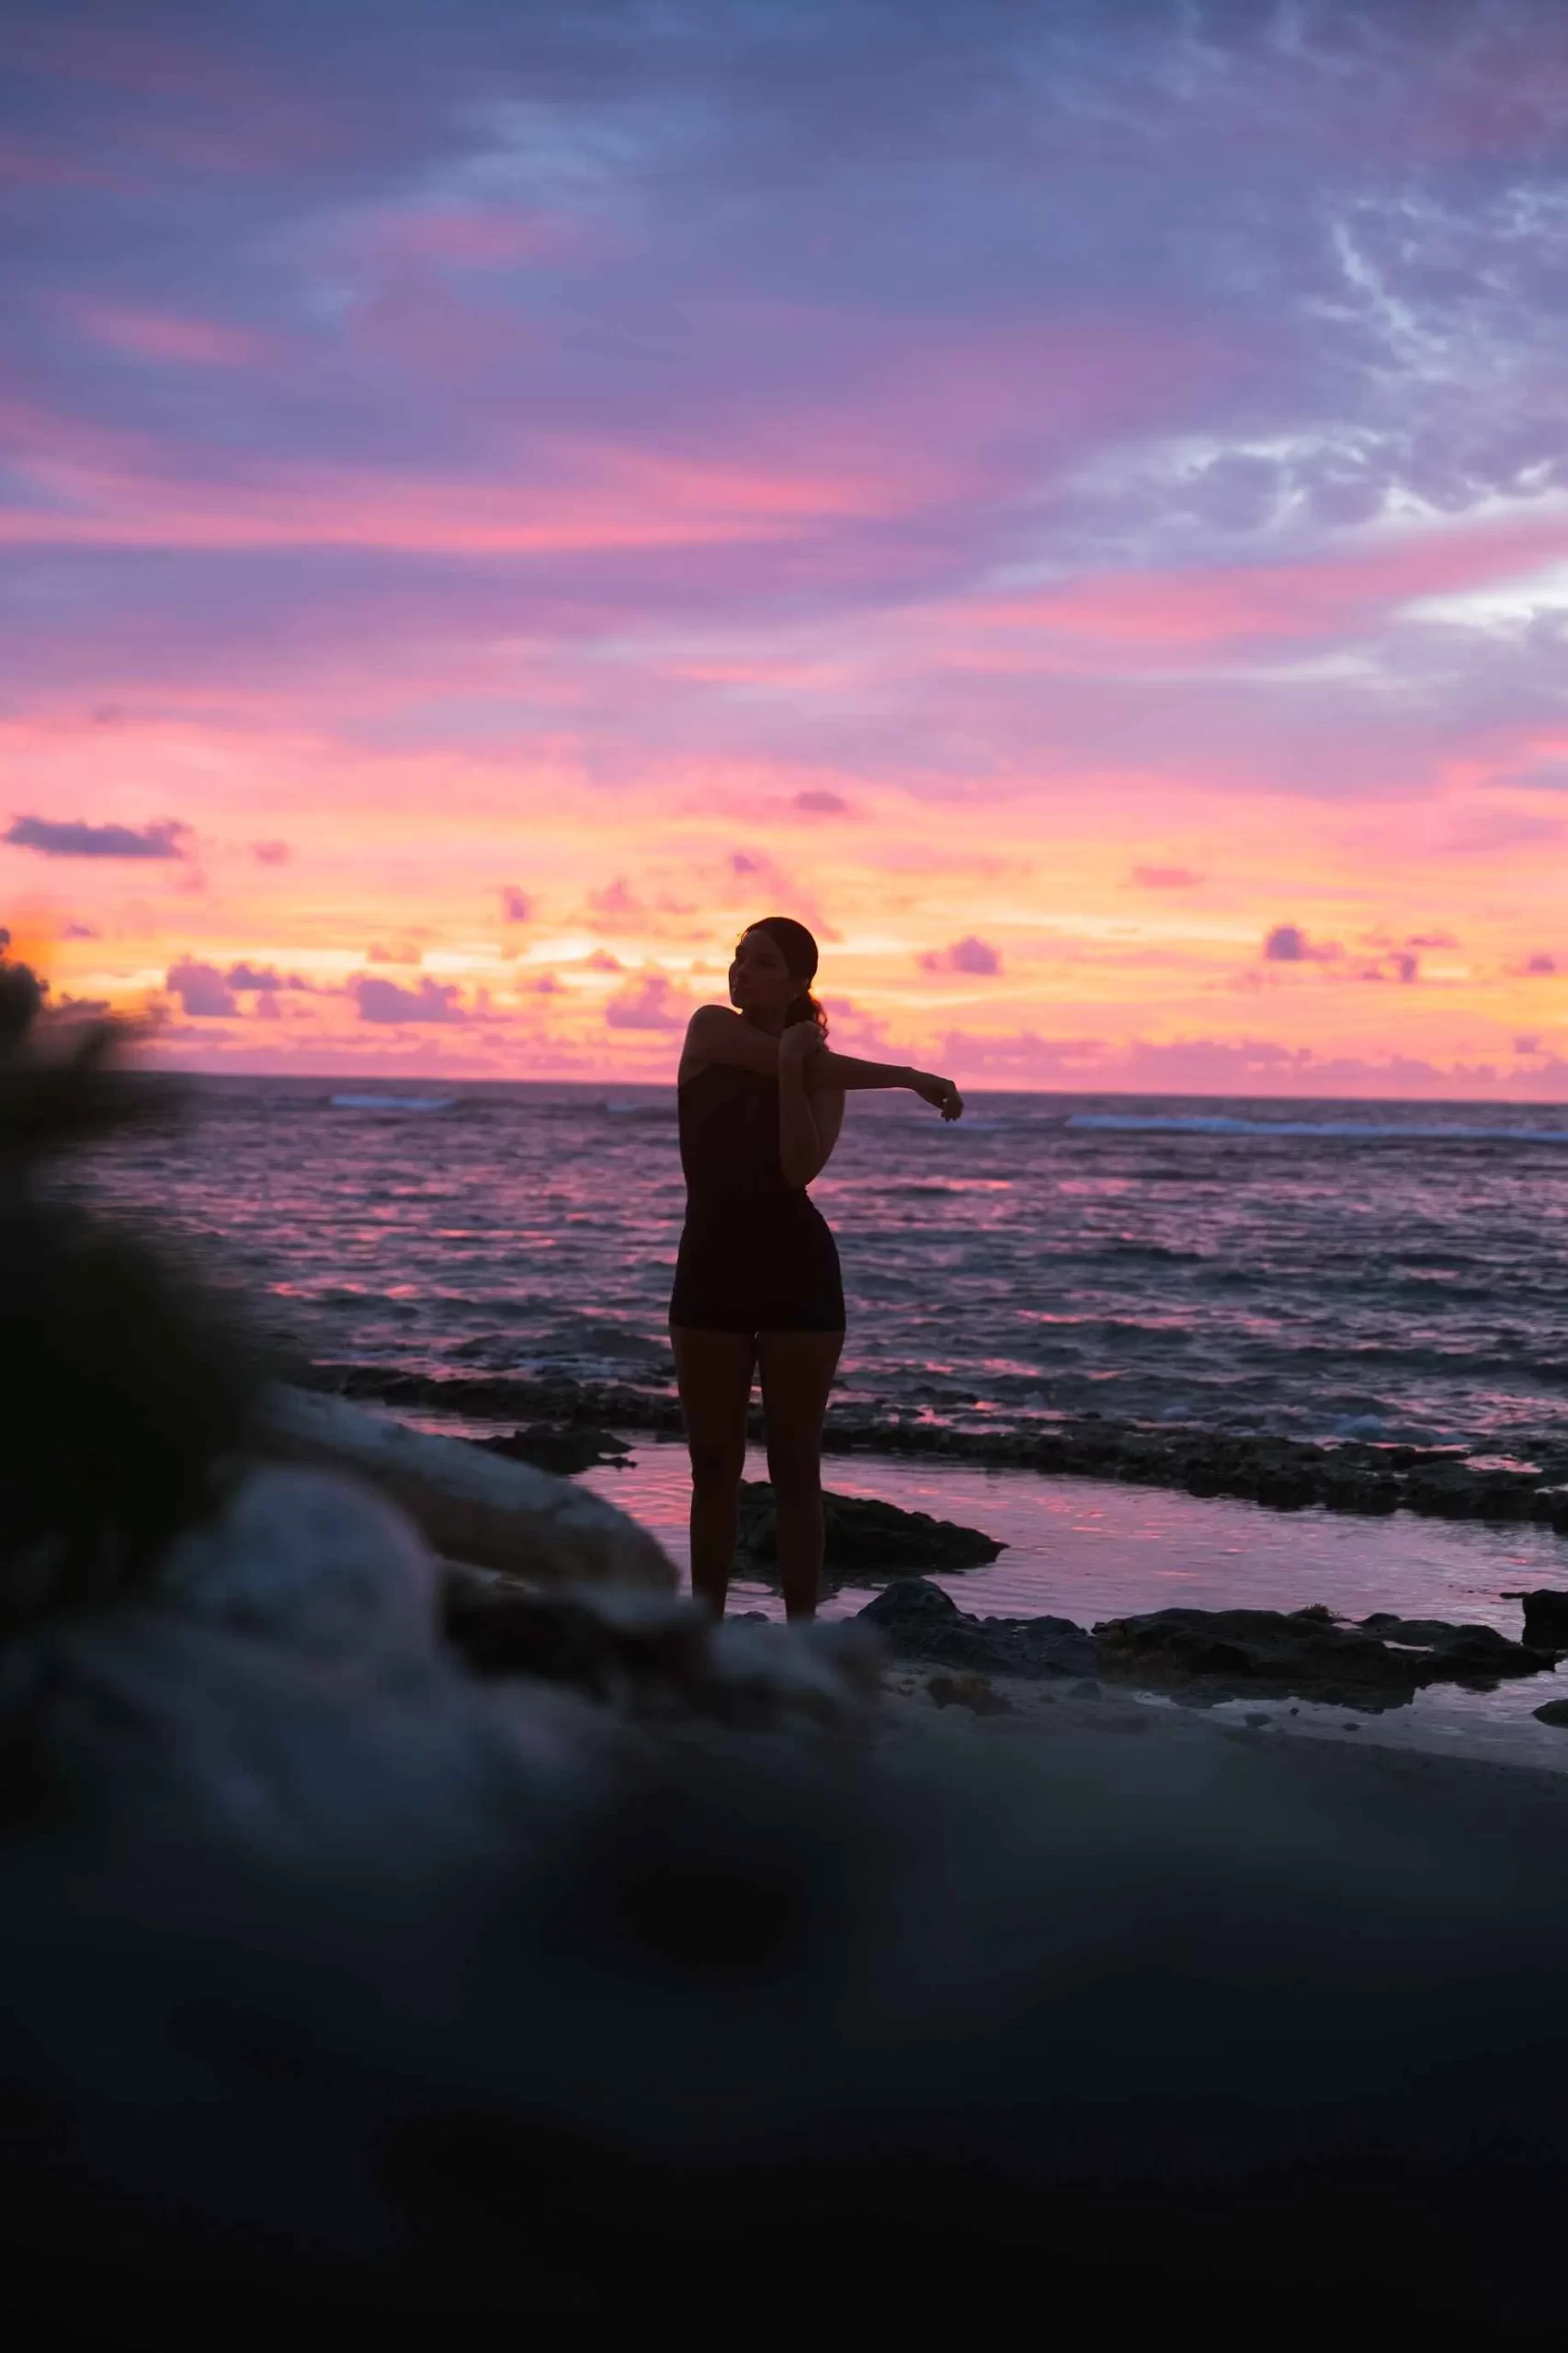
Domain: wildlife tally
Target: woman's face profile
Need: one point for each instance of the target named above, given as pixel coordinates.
(759, 978)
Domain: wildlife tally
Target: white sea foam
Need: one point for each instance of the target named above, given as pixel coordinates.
(1216, 1123)
(392, 1102)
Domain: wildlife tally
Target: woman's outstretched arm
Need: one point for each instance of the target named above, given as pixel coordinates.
(714, 1034)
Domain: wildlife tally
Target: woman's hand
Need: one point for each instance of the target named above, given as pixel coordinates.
(798, 1044)
(940, 1093)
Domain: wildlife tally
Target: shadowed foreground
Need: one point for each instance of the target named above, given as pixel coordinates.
(354, 1974)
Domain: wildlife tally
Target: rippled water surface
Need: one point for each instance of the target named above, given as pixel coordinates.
(1392, 1270)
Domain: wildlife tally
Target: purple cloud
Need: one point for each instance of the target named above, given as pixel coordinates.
(515, 905)
(1166, 877)
(1288, 944)
(81, 931)
(201, 989)
(969, 955)
(271, 853)
(385, 1001)
(816, 801)
(1536, 966)
(643, 1004)
(242, 978)
(71, 837)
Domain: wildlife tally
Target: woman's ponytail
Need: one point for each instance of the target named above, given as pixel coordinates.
(805, 1008)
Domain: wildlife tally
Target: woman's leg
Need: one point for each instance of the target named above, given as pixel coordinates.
(797, 1373)
(713, 1371)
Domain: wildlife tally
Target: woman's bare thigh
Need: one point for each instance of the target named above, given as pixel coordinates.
(797, 1374)
(714, 1373)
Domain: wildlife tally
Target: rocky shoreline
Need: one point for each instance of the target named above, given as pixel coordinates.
(1207, 1656)
(1446, 1483)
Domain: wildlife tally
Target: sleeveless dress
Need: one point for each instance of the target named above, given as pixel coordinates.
(756, 1252)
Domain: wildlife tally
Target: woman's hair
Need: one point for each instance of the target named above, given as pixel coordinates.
(799, 949)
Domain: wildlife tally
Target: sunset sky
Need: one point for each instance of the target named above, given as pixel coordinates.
(1071, 500)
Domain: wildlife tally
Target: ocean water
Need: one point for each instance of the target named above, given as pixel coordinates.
(1388, 1271)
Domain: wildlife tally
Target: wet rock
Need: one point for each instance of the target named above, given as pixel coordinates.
(562, 1449)
(917, 1619)
(1546, 1619)
(1555, 1712)
(1382, 1662)
(875, 1539)
(1456, 1491)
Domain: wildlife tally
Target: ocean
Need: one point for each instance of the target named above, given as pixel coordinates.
(1386, 1271)
(1389, 1272)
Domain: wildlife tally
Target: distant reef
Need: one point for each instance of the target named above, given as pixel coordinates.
(1445, 1482)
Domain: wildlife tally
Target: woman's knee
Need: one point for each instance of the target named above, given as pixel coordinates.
(716, 1468)
(794, 1466)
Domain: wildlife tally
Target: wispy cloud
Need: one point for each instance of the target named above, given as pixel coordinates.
(74, 837)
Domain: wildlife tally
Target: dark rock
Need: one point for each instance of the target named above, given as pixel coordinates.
(917, 1619)
(1383, 1663)
(915, 1601)
(1555, 1712)
(549, 1447)
(876, 1539)
(1546, 1619)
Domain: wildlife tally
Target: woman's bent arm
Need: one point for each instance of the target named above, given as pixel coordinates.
(714, 1034)
(800, 1145)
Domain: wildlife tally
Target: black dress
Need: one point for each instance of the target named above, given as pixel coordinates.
(756, 1252)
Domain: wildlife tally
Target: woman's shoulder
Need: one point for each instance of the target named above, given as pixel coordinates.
(718, 1080)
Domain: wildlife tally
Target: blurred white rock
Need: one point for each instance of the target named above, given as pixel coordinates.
(470, 1505)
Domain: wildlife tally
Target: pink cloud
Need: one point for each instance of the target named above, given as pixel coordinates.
(119, 490)
(969, 955)
(471, 235)
(1326, 596)
(164, 335)
(644, 1003)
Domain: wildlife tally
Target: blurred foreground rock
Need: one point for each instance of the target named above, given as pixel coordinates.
(471, 1504)
(661, 1660)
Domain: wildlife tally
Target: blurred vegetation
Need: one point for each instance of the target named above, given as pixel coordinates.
(125, 1391)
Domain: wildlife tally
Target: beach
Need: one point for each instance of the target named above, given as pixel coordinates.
(1164, 1351)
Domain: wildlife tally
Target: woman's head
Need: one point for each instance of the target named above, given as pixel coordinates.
(773, 967)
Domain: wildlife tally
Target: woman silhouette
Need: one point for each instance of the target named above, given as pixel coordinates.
(756, 1284)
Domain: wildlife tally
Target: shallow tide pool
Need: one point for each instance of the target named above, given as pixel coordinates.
(1089, 1548)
